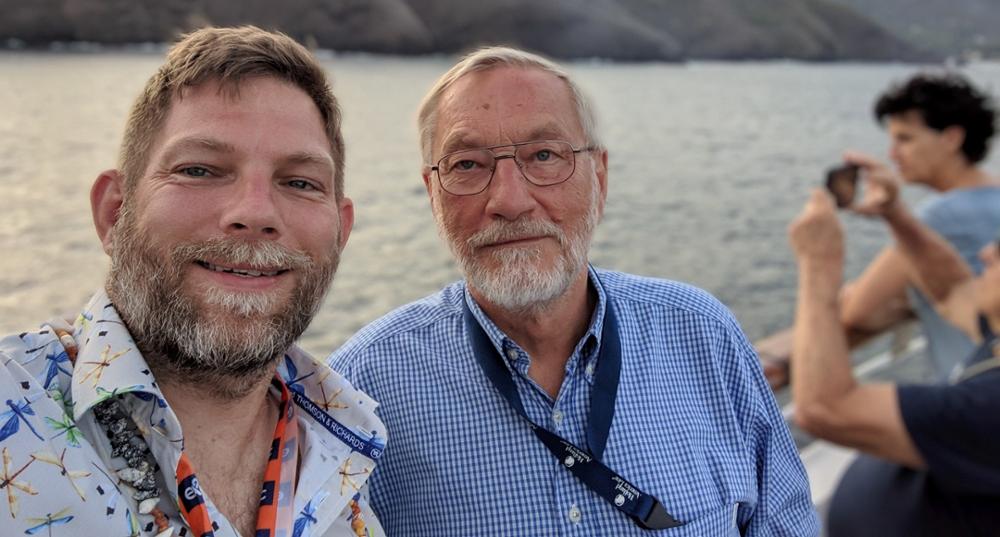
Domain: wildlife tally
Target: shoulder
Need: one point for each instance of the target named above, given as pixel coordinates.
(405, 322)
(964, 205)
(955, 429)
(629, 291)
(24, 352)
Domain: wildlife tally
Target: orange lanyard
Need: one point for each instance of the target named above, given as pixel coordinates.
(275, 510)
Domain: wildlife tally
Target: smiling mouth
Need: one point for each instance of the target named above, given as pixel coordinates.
(247, 273)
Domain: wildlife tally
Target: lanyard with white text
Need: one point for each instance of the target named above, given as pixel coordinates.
(645, 510)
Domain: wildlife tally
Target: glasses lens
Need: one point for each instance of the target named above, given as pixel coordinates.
(546, 162)
(465, 172)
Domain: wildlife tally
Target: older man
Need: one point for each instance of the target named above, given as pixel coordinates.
(930, 465)
(542, 396)
(179, 406)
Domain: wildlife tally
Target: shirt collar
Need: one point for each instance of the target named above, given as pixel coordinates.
(108, 361)
(332, 397)
(587, 347)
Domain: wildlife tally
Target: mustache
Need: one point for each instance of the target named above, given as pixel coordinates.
(260, 255)
(503, 231)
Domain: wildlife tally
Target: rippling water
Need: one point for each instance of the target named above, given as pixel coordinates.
(708, 163)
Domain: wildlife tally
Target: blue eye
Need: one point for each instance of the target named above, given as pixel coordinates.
(543, 155)
(195, 171)
(301, 184)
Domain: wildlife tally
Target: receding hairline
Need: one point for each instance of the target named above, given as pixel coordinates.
(490, 58)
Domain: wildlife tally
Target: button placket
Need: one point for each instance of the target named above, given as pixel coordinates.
(557, 417)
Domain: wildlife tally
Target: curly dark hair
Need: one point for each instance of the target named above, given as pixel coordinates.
(944, 100)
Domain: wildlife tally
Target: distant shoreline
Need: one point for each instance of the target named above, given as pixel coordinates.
(159, 48)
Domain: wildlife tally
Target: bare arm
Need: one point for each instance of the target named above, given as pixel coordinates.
(829, 402)
(938, 269)
(925, 257)
(877, 299)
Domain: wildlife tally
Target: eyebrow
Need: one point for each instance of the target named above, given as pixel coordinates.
(196, 144)
(457, 142)
(465, 140)
(217, 146)
(310, 159)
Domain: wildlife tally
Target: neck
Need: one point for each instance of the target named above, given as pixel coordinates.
(228, 441)
(961, 174)
(207, 413)
(548, 334)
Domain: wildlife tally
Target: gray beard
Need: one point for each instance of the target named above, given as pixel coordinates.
(234, 342)
(518, 284)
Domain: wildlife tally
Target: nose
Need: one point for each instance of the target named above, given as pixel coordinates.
(251, 211)
(510, 194)
(894, 153)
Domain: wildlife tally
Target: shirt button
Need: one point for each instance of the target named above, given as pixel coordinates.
(557, 416)
(574, 514)
(590, 369)
(512, 354)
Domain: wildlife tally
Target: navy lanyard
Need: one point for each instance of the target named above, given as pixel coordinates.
(645, 510)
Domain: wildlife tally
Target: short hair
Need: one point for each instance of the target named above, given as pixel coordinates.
(488, 58)
(228, 56)
(944, 100)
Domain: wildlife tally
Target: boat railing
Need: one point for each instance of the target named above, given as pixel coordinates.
(775, 350)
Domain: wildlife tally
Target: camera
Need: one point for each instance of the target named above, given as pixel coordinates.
(842, 182)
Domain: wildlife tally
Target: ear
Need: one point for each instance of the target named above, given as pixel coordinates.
(601, 169)
(106, 197)
(346, 207)
(954, 137)
(427, 175)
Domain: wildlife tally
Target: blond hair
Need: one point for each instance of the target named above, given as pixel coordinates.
(228, 56)
(488, 58)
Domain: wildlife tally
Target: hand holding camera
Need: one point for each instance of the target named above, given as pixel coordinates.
(881, 185)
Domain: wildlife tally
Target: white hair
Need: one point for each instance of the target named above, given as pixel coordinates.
(488, 58)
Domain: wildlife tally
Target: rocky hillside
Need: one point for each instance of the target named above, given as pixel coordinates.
(614, 29)
(953, 27)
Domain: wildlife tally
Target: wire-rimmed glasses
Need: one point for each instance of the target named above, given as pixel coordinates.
(542, 163)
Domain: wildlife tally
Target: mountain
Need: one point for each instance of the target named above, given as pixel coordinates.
(757, 29)
(954, 27)
(614, 29)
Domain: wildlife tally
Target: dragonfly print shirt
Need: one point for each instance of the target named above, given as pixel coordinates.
(59, 478)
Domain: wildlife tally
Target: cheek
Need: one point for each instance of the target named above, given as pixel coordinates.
(316, 233)
(458, 216)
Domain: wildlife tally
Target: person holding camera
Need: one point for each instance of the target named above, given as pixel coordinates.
(940, 127)
(930, 463)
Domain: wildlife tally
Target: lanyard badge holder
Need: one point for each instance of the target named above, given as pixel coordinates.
(645, 510)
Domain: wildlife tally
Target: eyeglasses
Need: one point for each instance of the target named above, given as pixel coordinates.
(542, 163)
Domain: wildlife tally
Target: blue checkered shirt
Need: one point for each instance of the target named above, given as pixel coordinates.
(695, 423)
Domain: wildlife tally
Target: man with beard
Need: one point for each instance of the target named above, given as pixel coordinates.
(178, 404)
(542, 396)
